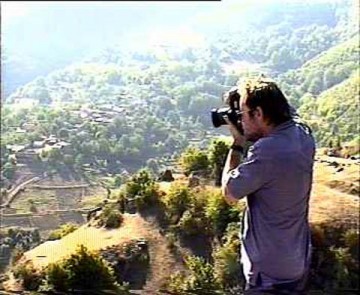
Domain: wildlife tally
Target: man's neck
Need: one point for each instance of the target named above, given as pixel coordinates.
(267, 129)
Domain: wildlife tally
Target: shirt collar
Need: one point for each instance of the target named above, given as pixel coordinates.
(283, 126)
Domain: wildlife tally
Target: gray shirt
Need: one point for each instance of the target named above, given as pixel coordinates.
(276, 177)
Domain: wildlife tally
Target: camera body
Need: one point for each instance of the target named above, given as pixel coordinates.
(232, 98)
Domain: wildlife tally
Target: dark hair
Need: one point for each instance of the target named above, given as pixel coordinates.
(264, 93)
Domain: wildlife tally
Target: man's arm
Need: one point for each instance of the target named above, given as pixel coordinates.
(248, 176)
(232, 161)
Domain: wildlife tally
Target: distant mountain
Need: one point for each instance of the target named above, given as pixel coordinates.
(55, 35)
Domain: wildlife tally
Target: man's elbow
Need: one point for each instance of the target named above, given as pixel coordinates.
(229, 198)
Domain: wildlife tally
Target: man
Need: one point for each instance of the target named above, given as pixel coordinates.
(276, 178)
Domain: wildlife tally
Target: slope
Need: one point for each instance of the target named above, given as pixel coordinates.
(162, 262)
(322, 72)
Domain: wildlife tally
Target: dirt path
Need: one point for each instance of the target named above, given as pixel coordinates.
(12, 194)
(162, 262)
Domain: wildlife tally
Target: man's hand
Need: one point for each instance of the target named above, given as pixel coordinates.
(239, 139)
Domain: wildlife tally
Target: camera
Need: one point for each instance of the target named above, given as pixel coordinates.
(232, 98)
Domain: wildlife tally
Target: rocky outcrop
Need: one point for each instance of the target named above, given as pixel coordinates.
(130, 261)
(166, 176)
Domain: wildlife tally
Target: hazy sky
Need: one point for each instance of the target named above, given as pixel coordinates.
(11, 10)
(40, 26)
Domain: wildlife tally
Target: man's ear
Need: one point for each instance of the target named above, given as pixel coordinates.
(258, 112)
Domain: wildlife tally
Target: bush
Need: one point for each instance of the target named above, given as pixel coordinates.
(110, 217)
(64, 230)
(83, 270)
(194, 160)
(219, 213)
(142, 188)
(218, 152)
(193, 222)
(87, 271)
(201, 279)
(177, 201)
(227, 266)
(30, 276)
(335, 258)
(57, 277)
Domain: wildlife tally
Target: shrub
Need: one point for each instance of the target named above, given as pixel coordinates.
(57, 277)
(219, 212)
(335, 258)
(110, 217)
(177, 201)
(86, 270)
(193, 222)
(64, 230)
(201, 279)
(138, 183)
(227, 266)
(83, 270)
(30, 276)
(218, 151)
(193, 160)
(143, 189)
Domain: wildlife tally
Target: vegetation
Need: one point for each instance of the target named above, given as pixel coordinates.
(64, 230)
(30, 276)
(83, 270)
(125, 116)
(110, 217)
(194, 160)
(200, 281)
(142, 189)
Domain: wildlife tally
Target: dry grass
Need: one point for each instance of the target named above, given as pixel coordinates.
(335, 195)
(163, 263)
(93, 238)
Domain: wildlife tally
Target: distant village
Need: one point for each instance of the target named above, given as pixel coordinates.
(104, 114)
(29, 152)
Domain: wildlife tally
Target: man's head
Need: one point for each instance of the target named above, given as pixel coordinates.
(263, 107)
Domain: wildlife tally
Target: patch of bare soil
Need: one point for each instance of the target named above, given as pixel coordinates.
(335, 193)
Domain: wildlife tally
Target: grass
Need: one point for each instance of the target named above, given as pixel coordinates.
(92, 201)
(332, 198)
(43, 200)
(93, 238)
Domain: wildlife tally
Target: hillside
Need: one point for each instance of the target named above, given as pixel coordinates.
(334, 114)
(320, 73)
(95, 114)
(335, 194)
(334, 202)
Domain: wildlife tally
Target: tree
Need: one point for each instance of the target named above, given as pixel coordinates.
(63, 133)
(218, 152)
(178, 200)
(153, 165)
(193, 160)
(83, 270)
(8, 170)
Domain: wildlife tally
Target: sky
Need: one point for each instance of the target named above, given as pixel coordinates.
(12, 10)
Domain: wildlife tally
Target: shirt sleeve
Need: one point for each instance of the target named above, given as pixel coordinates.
(249, 176)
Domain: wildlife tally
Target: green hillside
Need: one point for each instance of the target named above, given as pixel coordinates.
(322, 72)
(334, 114)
